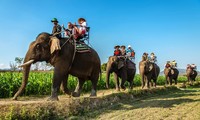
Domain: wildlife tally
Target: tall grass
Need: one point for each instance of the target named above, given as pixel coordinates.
(39, 83)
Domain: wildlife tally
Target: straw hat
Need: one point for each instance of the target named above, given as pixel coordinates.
(117, 46)
(81, 19)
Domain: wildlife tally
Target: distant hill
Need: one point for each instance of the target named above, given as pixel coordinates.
(181, 72)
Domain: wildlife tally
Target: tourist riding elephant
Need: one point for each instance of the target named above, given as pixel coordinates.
(85, 66)
(124, 69)
(191, 75)
(170, 74)
(148, 71)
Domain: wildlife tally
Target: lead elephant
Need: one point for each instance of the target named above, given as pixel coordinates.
(85, 66)
(171, 74)
(148, 71)
(191, 75)
(124, 69)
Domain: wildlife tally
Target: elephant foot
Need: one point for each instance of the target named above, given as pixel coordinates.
(130, 88)
(117, 89)
(68, 92)
(14, 98)
(76, 94)
(52, 98)
(93, 93)
(107, 86)
(123, 88)
(68, 96)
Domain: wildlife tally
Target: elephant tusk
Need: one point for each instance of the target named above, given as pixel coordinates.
(27, 63)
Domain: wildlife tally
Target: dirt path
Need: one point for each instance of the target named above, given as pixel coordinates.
(173, 105)
(182, 105)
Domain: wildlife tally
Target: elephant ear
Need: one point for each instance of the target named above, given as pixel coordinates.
(120, 64)
(150, 67)
(54, 44)
(172, 71)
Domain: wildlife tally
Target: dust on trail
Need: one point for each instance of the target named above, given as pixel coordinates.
(182, 105)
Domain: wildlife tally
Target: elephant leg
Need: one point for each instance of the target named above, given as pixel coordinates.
(116, 82)
(188, 79)
(131, 83)
(124, 78)
(57, 79)
(148, 80)
(64, 86)
(166, 81)
(170, 81)
(94, 87)
(155, 82)
(143, 81)
(192, 81)
(148, 83)
(152, 83)
(130, 79)
(78, 89)
(175, 81)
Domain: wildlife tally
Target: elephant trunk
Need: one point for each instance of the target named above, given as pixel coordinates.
(107, 78)
(26, 70)
(108, 71)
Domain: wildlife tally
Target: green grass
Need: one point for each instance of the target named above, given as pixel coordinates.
(39, 83)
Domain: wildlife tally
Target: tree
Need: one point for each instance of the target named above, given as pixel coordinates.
(19, 61)
(13, 66)
(103, 66)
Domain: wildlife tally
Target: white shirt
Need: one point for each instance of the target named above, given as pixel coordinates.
(83, 26)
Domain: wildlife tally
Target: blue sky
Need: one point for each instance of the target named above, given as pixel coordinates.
(169, 28)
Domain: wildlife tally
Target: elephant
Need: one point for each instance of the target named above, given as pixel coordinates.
(170, 74)
(122, 68)
(191, 75)
(148, 71)
(84, 66)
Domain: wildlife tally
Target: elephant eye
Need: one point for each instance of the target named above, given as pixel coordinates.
(38, 47)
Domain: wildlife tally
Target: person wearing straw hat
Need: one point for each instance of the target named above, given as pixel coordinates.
(81, 30)
(56, 28)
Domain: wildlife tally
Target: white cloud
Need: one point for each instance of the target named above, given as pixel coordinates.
(3, 66)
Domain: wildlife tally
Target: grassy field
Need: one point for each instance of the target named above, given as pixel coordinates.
(40, 83)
